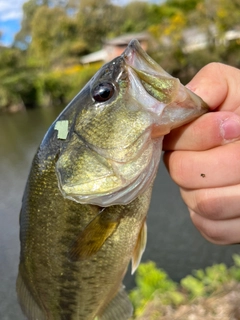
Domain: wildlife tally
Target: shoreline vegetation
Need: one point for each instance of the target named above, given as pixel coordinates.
(42, 67)
(212, 294)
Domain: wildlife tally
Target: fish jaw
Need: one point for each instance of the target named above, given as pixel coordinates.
(118, 184)
(171, 103)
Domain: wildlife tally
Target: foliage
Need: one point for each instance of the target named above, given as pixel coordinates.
(205, 282)
(54, 35)
(60, 86)
(51, 36)
(76, 77)
(235, 270)
(95, 19)
(17, 80)
(153, 283)
(30, 87)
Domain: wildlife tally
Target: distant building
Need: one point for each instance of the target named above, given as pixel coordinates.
(115, 47)
(197, 39)
(193, 39)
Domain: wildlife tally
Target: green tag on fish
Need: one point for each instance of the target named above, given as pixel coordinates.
(62, 127)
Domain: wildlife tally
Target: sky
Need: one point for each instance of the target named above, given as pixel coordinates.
(11, 15)
(10, 19)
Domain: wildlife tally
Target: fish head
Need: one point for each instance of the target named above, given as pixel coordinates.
(113, 148)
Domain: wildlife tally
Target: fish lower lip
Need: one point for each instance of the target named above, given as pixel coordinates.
(158, 131)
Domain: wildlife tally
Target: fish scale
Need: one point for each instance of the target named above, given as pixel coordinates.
(68, 279)
(84, 209)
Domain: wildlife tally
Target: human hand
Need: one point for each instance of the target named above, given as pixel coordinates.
(203, 157)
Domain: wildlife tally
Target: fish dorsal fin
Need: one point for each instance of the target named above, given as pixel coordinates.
(92, 238)
(140, 247)
(118, 308)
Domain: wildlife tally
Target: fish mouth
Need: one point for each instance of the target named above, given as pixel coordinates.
(170, 102)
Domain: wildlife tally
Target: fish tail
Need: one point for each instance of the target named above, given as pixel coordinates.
(26, 301)
(119, 307)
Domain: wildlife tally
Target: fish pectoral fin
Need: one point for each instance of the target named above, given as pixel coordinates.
(92, 238)
(118, 308)
(140, 247)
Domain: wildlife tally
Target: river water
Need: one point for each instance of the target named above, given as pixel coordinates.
(173, 242)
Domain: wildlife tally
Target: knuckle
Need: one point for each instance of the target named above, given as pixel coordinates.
(217, 66)
(207, 204)
(212, 232)
(177, 168)
(198, 134)
(210, 229)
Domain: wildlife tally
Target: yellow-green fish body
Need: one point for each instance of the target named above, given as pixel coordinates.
(84, 209)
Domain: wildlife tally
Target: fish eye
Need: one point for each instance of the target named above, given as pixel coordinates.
(103, 91)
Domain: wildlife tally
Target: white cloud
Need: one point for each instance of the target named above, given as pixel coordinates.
(11, 9)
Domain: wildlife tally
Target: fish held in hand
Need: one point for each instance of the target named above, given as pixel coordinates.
(84, 208)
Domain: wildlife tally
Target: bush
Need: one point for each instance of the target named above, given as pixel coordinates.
(205, 282)
(154, 284)
(59, 87)
(33, 88)
(17, 89)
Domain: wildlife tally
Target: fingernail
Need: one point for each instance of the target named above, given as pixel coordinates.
(230, 128)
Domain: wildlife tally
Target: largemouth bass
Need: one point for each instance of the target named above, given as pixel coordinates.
(84, 209)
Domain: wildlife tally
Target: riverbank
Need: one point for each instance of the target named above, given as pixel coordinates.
(222, 305)
(212, 293)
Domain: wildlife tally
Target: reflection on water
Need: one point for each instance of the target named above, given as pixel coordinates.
(173, 242)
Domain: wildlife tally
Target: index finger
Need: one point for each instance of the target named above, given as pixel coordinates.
(209, 131)
(218, 85)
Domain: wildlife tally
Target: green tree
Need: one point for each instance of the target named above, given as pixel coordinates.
(136, 15)
(17, 80)
(23, 37)
(97, 19)
(52, 33)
